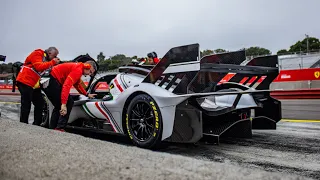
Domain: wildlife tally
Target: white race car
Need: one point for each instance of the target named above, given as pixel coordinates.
(181, 99)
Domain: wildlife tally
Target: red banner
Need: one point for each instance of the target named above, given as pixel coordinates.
(298, 75)
(3, 86)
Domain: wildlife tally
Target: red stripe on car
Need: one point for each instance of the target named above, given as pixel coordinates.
(105, 115)
(118, 85)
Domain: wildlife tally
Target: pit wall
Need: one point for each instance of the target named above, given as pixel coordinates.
(297, 79)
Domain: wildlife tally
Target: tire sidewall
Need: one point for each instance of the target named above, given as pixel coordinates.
(45, 123)
(157, 133)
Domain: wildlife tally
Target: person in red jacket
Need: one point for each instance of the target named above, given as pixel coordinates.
(28, 82)
(62, 78)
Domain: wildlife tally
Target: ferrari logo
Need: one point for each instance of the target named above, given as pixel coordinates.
(317, 74)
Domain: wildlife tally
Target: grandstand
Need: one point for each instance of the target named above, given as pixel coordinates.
(299, 61)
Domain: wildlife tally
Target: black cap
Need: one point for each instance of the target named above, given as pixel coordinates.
(152, 55)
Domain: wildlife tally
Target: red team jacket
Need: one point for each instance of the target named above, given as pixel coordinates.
(32, 67)
(68, 75)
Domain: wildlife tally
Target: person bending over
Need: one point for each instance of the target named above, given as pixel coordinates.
(62, 78)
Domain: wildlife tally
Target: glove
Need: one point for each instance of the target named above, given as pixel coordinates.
(107, 97)
(91, 95)
(63, 110)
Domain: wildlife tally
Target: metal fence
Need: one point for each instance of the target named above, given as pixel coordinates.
(296, 60)
(299, 61)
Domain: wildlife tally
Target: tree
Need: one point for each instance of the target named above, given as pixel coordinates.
(134, 57)
(282, 51)
(255, 51)
(118, 57)
(100, 57)
(206, 52)
(219, 50)
(314, 44)
(210, 52)
(6, 68)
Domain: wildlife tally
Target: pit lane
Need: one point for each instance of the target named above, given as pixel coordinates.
(292, 149)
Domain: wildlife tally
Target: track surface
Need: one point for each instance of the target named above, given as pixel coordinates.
(30, 152)
(301, 109)
(293, 148)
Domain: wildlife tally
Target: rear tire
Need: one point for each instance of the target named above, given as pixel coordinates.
(144, 122)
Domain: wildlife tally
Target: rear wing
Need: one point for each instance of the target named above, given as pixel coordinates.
(181, 71)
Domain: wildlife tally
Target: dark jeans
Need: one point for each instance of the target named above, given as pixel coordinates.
(53, 92)
(28, 95)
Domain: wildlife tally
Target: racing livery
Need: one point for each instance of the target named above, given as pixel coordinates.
(181, 99)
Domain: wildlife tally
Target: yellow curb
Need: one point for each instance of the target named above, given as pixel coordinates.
(300, 120)
(9, 102)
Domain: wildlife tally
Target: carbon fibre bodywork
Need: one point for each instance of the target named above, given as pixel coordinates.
(192, 100)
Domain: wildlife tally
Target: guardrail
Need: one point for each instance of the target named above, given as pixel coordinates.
(278, 94)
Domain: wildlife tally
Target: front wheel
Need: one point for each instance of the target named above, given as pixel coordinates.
(45, 112)
(144, 122)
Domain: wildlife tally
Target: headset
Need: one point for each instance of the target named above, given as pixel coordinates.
(46, 55)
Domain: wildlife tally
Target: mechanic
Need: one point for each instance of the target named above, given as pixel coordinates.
(62, 78)
(152, 58)
(28, 82)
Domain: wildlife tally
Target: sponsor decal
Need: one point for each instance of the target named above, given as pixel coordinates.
(317, 74)
(156, 117)
(285, 76)
(127, 124)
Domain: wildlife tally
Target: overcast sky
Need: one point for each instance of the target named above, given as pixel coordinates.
(136, 27)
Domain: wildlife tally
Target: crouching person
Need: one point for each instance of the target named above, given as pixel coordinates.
(62, 78)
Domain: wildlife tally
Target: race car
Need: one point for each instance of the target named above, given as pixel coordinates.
(181, 99)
